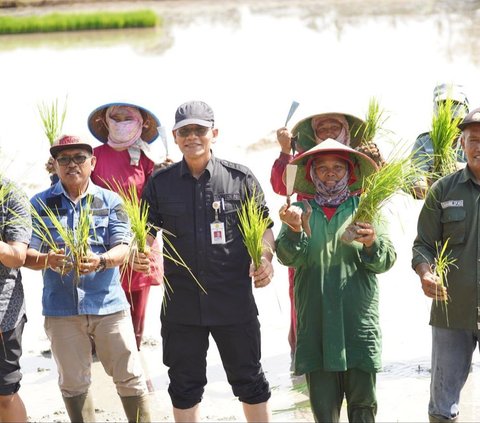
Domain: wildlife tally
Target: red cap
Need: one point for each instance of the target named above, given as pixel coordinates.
(65, 142)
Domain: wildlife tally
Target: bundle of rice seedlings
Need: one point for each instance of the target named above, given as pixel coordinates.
(137, 212)
(51, 119)
(379, 187)
(76, 239)
(374, 121)
(440, 268)
(253, 225)
(444, 134)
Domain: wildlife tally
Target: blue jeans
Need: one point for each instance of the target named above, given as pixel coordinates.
(452, 351)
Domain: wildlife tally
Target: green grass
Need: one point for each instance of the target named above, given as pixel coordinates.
(57, 22)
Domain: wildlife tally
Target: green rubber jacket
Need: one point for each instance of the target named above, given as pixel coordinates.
(336, 292)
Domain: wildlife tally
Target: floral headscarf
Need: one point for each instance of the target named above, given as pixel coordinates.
(332, 196)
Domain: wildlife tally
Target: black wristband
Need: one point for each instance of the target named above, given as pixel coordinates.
(102, 265)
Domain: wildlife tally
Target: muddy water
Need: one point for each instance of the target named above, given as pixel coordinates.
(249, 60)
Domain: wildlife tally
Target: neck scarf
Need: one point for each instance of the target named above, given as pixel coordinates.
(343, 137)
(330, 196)
(125, 133)
(136, 149)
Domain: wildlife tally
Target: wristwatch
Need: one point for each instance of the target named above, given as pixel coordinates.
(102, 265)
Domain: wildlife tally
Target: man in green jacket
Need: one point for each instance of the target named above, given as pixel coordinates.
(450, 218)
(336, 288)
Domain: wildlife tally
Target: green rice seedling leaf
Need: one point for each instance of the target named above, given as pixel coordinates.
(440, 269)
(375, 119)
(76, 239)
(253, 224)
(399, 173)
(137, 212)
(51, 119)
(444, 134)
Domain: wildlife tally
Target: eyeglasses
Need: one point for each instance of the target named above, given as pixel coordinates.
(65, 160)
(199, 131)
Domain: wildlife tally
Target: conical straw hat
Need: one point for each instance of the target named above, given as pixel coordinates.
(96, 123)
(305, 138)
(363, 166)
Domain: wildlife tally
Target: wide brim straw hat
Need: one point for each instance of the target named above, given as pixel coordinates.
(304, 137)
(96, 123)
(363, 166)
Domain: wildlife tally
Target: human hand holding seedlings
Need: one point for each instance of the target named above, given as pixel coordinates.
(263, 275)
(89, 263)
(140, 262)
(430, 285)
(366, 234)
(59, 262)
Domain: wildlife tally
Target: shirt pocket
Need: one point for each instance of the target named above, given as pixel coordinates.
(454, 225)
(172, 214)
(54, 232)
(99, 231)
(231, 205)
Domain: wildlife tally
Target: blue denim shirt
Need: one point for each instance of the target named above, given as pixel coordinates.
(95, 293)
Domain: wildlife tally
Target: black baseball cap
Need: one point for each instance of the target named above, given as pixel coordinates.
(194, 113)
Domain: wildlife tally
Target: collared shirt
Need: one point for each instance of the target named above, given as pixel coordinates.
(423, 151)
(15, 226)
(452, 212)
(95, 293)
(182, 206)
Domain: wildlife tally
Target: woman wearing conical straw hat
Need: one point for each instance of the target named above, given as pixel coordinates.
(307, 133)
(336, 288)
(126, 130)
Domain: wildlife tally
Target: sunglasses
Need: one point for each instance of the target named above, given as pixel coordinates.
(77, 159)
(199, 131)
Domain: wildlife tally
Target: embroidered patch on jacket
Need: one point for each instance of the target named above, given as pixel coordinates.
(452, 203)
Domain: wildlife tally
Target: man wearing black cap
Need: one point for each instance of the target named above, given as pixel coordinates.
(196, 202)
(451, 214)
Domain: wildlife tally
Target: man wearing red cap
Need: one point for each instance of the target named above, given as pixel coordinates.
(84, 301)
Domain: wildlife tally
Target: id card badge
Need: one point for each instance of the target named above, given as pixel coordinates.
(217, 231)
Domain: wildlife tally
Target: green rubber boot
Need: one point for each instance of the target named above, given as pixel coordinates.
(137, 409)
(80, 408)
